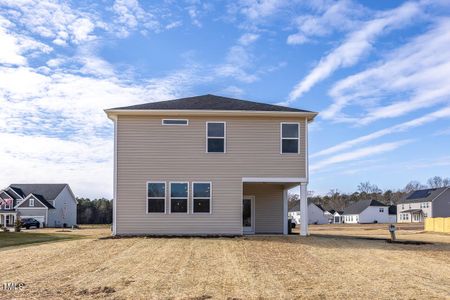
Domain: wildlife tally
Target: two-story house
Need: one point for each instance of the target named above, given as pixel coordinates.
(420, 204)
(367, 211)
(207, 165)
(52, 205)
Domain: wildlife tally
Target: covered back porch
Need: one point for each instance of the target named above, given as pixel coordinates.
(265, 205)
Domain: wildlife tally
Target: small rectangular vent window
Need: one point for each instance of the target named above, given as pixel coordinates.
(178, 122)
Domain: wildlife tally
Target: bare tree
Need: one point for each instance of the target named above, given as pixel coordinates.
(413, 186)
(438, 181)
(368, 188)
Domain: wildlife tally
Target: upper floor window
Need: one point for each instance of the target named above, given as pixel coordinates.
(31, 202)
(179, 194)
(201, 197)
(290, 137)
(156, 197)
(179, 122)
(216, 137)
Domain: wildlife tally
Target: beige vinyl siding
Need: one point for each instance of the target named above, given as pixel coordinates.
(149, 151)
(268, 206)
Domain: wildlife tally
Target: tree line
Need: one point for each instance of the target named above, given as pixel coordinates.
(336, 200)
(96, 211)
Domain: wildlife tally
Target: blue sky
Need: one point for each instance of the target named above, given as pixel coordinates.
(378, 72)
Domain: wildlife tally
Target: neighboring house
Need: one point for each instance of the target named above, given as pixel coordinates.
(316, 214)
(392, 213)
(207, 165)
(51, 204)
(366, 211)
(420, 204)
(327, 214)
(337, 216)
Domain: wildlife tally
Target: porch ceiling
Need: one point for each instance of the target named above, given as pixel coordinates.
(288, 182)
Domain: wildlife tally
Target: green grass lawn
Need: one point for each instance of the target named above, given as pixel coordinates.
(9, 239)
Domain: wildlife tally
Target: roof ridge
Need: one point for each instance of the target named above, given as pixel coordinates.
(445, 189)
(211, 102)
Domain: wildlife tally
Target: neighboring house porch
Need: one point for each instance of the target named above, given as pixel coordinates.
(7, 218)
(412, 215)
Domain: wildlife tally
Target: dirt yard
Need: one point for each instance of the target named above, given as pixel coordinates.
(325, 267)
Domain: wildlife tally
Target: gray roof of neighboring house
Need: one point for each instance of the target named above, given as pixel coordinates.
(5, 195)
(357, 207)
(295, 205)
(42, 199)
(46, 191)
(425, 195)
(320, 206)
(211, 102)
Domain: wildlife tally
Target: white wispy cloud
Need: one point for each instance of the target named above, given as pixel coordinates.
(239, 60)
(336, 16)
(258, 9)
(431, 117)
(52, 19)
(248, 38)
(417, 75)
(355, 46)
(14, 47)
(445, 131)
(131, 16)
(358, 154)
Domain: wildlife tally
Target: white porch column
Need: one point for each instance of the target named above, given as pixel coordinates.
(303, 210)
(285, 211)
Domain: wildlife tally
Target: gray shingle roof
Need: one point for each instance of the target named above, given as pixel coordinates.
(47, 190)
(211, 102)
(45, 202)
(295, 205)
(426, 195)
(357, 207)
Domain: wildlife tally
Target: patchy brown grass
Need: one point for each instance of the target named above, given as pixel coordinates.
(405, 232)
(241, 268)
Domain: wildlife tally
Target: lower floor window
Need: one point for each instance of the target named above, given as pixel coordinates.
(179, 197)
(201, 197)
(156, 197)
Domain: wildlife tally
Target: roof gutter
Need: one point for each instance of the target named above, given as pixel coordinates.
(184, 112)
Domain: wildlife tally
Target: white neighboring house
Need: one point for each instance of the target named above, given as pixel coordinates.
(53, 205)
(337, 216)
(420, 204)
(327, 214)
(367, 211)
(316, 214)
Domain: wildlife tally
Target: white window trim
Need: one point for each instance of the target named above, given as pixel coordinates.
(187, 122)
(215, 137)
(170, 197)
(147, 198)
(210, 197)
(31, 202)
(281, 138)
